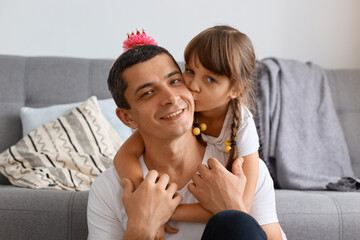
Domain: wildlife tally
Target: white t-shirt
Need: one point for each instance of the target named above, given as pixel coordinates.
(247, 140)
(107, 218)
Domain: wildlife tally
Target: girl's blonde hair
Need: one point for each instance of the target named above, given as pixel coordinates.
(225, 51)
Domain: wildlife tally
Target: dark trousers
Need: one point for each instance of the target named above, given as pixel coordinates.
(233, 224)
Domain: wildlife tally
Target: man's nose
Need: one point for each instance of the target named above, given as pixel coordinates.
(169, 96)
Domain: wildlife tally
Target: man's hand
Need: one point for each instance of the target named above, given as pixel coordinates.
(217, 189)
(150, 205)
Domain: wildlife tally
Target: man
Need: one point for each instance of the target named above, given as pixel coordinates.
(147, 86)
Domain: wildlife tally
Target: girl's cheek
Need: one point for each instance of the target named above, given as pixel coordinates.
(186, 81)
(189, 89)
(185, 78)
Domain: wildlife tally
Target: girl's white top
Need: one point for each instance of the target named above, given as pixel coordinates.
(247, 139)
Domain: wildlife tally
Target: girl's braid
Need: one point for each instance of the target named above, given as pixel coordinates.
(236, 106)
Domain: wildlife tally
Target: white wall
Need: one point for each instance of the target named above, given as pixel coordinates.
(326, 32)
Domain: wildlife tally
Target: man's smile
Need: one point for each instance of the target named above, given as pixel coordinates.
(174, 114)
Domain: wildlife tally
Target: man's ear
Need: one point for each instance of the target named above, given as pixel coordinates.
(125, 116)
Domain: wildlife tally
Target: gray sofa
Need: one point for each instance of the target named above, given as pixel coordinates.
(56, 214)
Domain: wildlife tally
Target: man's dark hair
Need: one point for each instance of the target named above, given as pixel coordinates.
(116, 82)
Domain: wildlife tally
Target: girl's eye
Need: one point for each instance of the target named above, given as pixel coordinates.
(210, 80)
(189, 71)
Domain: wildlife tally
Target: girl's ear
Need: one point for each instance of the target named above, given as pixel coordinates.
(235, 92)
(125, 116)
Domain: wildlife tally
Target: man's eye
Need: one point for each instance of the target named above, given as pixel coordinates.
(146, 93)
(175, 81)
(210, 80)
(189, 71)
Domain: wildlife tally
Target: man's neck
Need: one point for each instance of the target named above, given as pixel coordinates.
(179, 158)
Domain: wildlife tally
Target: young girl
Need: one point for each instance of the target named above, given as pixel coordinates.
(220, 73)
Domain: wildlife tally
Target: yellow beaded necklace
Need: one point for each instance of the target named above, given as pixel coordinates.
(198, 128)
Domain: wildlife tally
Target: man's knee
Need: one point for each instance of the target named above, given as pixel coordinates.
(233, 224)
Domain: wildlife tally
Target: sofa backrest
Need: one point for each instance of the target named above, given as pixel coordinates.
(345, 88)
(44, 81)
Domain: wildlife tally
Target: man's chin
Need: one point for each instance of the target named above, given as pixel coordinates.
(178, 130)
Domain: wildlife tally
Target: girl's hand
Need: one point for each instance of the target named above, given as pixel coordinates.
(160, 235)
(170, 229)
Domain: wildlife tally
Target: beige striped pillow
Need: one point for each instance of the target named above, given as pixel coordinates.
(66, 153)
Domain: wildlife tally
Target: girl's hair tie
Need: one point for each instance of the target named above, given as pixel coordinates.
(228, 145)
(138, 38)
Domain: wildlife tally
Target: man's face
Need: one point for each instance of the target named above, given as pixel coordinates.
(160, 103)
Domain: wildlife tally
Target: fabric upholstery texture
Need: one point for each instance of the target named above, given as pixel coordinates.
(68, 80)
(56, 214)
(45, 81)
(345, 87)
(42, 214)
(318, 214)
(68, 152)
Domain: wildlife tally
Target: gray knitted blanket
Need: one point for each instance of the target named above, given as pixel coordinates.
(301, 139)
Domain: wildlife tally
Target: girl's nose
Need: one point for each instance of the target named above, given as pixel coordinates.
(194, 86)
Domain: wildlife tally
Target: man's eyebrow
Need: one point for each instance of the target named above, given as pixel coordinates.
(172, 74)
(151, 84)
(143, 86)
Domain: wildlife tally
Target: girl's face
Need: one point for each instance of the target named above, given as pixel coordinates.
(210, 91)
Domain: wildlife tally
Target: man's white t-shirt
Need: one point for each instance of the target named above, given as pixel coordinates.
(107, 218)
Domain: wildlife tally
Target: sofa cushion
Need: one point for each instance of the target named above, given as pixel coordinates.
(318, 215)
(31, 118)
(42, 214)
(66, 153)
